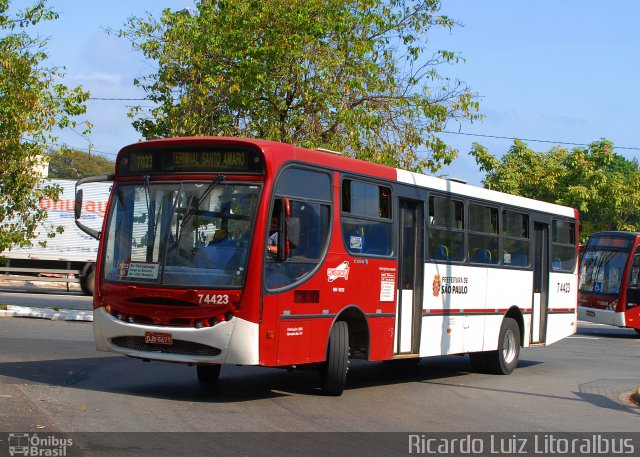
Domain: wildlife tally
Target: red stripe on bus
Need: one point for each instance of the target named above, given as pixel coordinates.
(472, 311)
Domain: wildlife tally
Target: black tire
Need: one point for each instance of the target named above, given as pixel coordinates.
(478, 362)
(87, 281)
(333, 372)
(637, 331)
(208, 374)
(504, 360)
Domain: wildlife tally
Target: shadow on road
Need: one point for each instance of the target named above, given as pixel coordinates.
(237, 383)
(608, 332)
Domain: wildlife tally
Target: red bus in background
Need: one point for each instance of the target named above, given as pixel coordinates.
(610, 280)
(236, 251)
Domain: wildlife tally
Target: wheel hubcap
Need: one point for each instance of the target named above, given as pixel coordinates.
(509, 347)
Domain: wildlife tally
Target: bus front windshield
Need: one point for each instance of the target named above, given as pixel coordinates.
(180, 234)
(601, 271)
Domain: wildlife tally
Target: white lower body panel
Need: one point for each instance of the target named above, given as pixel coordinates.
(236, 339)
(601, 316)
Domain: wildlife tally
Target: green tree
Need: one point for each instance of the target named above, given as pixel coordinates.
(602, 185)
(32, 104)
(72, 164)
(348, 75)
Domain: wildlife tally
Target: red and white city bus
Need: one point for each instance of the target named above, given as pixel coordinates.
(236, 251)
(610, 280)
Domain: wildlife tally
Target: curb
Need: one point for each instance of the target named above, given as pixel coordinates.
(48, 313)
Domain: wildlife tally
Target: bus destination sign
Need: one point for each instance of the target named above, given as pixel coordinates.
(190, 161)
(611, 242)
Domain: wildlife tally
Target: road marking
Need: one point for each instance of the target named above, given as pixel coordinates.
(585, 337)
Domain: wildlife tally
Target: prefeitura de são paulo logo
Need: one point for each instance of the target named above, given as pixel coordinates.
(436, 285)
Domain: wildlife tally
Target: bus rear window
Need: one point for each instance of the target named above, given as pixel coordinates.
(563, 246)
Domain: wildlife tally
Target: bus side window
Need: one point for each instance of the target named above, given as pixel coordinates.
(634, 273)
(303, 226)
(446, 229)
(366, 218)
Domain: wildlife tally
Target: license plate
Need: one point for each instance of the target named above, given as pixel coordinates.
(158, 338)
(591, 313)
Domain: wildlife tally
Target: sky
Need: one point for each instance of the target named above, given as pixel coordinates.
(547, 70)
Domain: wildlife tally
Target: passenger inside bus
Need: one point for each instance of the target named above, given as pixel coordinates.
(272, 241)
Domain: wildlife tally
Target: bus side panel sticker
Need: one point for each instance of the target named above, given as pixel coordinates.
(387, 286)
(341, 271)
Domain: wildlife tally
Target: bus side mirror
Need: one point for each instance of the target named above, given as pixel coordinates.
(78, 204)
(77, 208)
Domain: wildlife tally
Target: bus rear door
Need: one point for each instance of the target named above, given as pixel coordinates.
(540, 283)
(409, 303)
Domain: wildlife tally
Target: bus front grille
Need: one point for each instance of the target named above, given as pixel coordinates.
(181, 347)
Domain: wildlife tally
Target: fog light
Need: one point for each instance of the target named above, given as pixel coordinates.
(199, 323)
(130, 319)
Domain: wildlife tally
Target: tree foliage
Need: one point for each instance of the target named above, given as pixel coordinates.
(602, 185)
(348, 75)
(32, 103)
(72, 164)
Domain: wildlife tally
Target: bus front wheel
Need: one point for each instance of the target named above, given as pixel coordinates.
(333, 372)
(505, 359)
(208, 374)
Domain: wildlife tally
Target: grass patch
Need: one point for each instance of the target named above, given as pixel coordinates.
(3, 307)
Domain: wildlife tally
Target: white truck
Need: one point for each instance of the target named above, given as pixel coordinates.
(70, 256)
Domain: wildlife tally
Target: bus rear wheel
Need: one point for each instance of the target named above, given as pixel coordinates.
(208, 374)
(333, 372)
(504, 360)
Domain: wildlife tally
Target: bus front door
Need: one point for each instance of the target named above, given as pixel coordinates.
(540, 283)
(409, 300)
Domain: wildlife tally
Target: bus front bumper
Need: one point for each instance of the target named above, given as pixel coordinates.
(231, 342)
(601, 316)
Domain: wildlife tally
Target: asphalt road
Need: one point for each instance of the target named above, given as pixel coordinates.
(53, 380)
(44, 298)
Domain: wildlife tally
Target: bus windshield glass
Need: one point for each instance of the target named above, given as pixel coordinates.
(601, 270)
(180, 234)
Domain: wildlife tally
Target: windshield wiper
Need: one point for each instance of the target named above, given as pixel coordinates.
(168, 234)
(150, 214)
(198, 200)
(218, 179)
